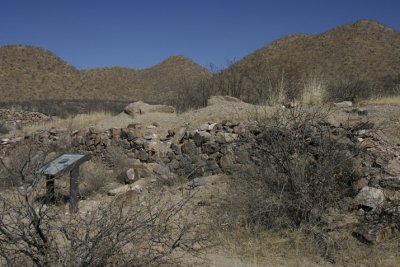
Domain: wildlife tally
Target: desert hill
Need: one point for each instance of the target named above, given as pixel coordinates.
(156, 84)
(29, 73)
(364, 50)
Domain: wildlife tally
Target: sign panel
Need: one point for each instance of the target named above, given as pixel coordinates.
(64, 163)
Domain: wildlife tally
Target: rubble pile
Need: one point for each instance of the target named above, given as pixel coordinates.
(217, 147)
(21, 117)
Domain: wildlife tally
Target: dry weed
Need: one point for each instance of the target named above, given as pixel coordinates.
(77, 122)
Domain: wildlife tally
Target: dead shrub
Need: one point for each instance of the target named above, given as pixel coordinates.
(117, 158)
(95, 175)
(4, 129)
(160, 231)
(298, 170)
(21, 165)
(348, 90)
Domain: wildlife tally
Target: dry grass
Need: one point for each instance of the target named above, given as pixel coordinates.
(367, 51)
(293, 248)
(388, 100)
(78, 122)
(267, 248)
(313, 92)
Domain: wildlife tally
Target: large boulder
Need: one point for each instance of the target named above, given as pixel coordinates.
(140, 108)
(218, 100)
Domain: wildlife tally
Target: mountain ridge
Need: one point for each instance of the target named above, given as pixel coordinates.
(362, 50)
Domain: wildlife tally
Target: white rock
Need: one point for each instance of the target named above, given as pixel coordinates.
(370, 197)
(343, 104)
(211, 126)
(203, 127)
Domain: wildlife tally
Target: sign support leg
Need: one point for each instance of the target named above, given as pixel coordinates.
(50, 195)
(74, 190)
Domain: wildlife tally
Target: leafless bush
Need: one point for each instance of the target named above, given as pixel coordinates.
(349, 90)
(117, 158)
(158, 231)
(95, 175)
(67, 108)
(21, 165)
(391, 86)
(191, 96)
(299, 170)
(4, 129)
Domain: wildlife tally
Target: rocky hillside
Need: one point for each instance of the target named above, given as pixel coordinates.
(28, 73)
(364, 50)
(157, 84)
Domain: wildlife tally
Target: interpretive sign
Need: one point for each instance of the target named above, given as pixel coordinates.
(62, 165)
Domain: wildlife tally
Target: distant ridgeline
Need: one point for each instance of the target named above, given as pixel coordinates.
(363, 51)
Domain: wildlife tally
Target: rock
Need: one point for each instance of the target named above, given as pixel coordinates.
(242, 155)
(360, 184)
(176, 149)
(94, 130)
(239, 129)
(201, 137)
(229, 123)
(211, 126)
(203, 127)
(125, 188)
(148, 136)
(226, 161)
(379, 162)
(130, 134)
(369, 198)
(159, 171)
(5, 141)
(198, 181)
(139, 108)
(393, 167)
(142, 155)
(367, 143)
(186, 165)
(343, 104)
(220, 100)
(372, 235)
(139, 143)
(130, 176)
(179, 135)
(174, 164)
(390, 182)
(223, 138)
(189, 148)
(115, 133)
(362, 112)
(340, 221)
(211, 165)
(125, 144)
(210, 148)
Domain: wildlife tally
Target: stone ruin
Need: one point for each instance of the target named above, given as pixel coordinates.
(216, 147)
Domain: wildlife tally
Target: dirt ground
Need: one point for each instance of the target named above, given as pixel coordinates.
(386, 117)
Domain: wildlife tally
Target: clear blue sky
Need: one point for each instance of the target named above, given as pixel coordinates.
(139, 34)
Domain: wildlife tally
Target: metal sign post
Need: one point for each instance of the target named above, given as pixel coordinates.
(62, 165)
